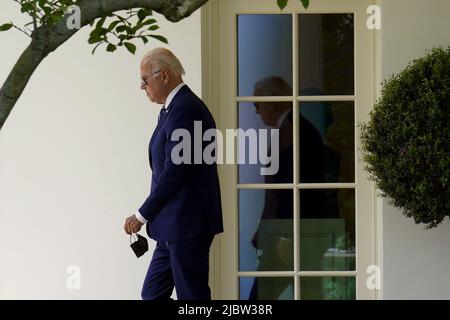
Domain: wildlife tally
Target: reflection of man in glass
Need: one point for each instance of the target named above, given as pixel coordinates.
(273, 237)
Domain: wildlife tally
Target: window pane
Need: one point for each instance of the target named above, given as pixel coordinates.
(265, 230)
(265, 288)
(264, 49)
(256, 119)
(328, 288)
(327, 142)
(326, 49)
(327, 230)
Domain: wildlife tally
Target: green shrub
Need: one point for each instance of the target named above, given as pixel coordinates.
(406, 143)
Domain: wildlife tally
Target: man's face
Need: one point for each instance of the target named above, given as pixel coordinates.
(152, 83)
(266, 112)
(264, 109)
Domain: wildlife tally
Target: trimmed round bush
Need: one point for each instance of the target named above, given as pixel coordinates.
(406, 142)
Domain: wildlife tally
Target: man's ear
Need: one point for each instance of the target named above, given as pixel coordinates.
(165, 76)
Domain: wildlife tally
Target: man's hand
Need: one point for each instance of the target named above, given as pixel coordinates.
(132, 225)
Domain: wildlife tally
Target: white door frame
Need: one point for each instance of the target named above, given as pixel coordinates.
(224, 251)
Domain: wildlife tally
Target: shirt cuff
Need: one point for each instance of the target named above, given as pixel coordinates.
(140, 217)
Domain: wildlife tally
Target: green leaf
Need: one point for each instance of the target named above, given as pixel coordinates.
(282, 3)
(113, 25)
(55, 18)
(121, 28)
(94, 39)
(98, 33)
(160, 38)
(153, 28)
(144, 39)
(142, 13)
(6, 26)
(131, 47)
(27, 7)
(94, 33)
(47, 10)
(100, 23)
(111, 48)
(149, 21)
(305, 3)
(103, 31)
(135, 28)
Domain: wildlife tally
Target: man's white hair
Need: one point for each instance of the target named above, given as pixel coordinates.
(272, 86)
(162, 58)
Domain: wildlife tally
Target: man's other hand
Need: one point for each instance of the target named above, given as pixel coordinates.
(132, 225)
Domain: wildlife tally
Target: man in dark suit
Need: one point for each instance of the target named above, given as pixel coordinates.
(274, 235)
(183, 211)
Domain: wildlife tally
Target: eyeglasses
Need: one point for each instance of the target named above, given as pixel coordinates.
(144, 82)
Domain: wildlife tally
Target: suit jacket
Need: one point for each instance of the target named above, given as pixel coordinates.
(184, 200)
(279, 203)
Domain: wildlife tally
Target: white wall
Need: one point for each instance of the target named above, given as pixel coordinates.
(73, 165)
(416, 261)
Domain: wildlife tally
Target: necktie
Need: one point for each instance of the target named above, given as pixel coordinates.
(162, 115)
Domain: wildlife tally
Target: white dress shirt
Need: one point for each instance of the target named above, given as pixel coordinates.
(165, 105)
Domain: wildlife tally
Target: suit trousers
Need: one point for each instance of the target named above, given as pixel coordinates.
(183, 264)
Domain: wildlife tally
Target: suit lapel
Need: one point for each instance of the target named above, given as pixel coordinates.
(158, 127)
(171, 106)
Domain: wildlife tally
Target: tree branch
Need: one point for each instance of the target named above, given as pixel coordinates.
(46, 39)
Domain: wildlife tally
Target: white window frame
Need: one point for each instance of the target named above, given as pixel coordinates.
(216, 50)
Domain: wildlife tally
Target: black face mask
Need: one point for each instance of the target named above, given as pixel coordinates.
(140, 246)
